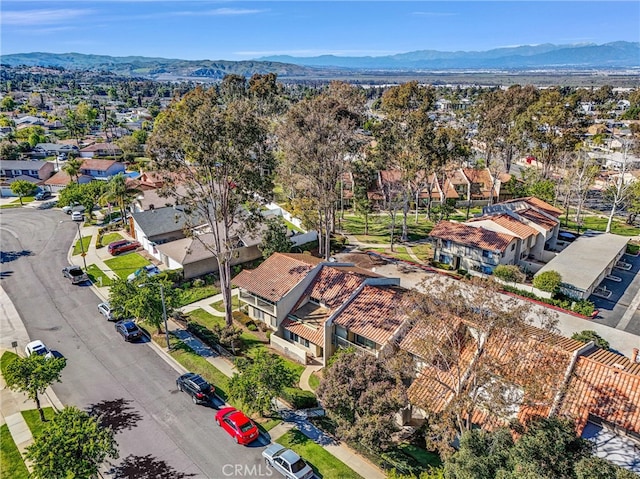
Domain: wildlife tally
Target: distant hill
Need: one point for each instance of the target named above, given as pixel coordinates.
(153, 67)
(608, 55)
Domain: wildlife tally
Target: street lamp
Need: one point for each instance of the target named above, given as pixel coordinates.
(84, 254)
(164, 310)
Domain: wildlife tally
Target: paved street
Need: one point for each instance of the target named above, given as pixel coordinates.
(159, 431)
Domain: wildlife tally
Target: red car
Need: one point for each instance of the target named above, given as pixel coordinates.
(239, 426)
(122, 246)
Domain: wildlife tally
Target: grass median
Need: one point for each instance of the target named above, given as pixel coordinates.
(80, 244)
(11, 463)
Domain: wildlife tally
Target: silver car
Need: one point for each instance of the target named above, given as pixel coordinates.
(287, 462)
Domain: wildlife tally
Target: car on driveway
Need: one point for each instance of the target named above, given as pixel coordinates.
(77, 216)
(122, 246)
(128, 330)
(71, 208)
(75, 274)
(195, 386)
(37, 347)
(109, 313)
(240, 427)
(43, 195)
(287, 462)
(149, 271)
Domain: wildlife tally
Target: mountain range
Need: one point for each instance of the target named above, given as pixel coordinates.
(616, 55)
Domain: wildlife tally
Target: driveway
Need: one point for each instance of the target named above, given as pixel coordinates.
(160, 433)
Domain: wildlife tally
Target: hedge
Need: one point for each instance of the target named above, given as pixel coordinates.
(300, 399)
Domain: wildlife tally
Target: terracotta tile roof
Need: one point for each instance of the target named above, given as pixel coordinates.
(61, 178)
(98, 165)
(449, 190)
(376, 313)
(308, 322)
(390, 176)
(277, 275)
(332, 286)
(468, 235)
(111, 147)
(607, 386)
(482, 177)
(538, 218)
(544, 206)
(518, 228)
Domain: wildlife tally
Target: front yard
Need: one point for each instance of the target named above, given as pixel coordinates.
(126, 264)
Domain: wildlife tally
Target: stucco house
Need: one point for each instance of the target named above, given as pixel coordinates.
(101, 169)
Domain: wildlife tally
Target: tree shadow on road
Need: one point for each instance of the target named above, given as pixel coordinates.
(8, 256)
(145, 467)
(115, 413)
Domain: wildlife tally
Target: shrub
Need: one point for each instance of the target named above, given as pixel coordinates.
(548, 281)
(205, 335)
(584, 307)
(243, 318)
(252, 327)
(300, 399)
(589, 335)
(268, 334)
(198, 283)
(174, 275)
(633, 248)
(509, 273)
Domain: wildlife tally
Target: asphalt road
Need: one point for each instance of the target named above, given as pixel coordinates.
(160, 432)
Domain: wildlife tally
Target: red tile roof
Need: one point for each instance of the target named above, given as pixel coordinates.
(605, 385)
(376, 313)
(468, 235)
(519, 229)
(98, 165)
(277, 275)
(538, 218)
(312, 331)
(537, 203)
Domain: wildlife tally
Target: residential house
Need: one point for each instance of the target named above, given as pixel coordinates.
(476, 248)
(100, 150)
(101, 169)
(40, 170)
(42, 150)
(61, 179)
(5, 184)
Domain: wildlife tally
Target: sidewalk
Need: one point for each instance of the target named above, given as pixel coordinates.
(291, 418)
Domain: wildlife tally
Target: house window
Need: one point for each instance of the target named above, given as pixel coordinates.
(258, 314)
(513, 246)
(293, 337)
(444, 259)
(487, 254)
(446, 244)
(362, 341)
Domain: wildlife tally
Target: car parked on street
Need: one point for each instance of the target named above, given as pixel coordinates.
(287, 462)
(37, 347)
(77, 216)
(122, 246)
(71, 208)
(109, 313)
(128, 330)
(149, 271)
(240, 427)
(75, 274)
(195, 386)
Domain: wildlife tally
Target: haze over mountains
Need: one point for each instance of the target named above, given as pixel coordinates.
(616, 55)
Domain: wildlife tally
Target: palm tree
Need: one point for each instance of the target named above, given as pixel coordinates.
(72, 168)
(120, 193)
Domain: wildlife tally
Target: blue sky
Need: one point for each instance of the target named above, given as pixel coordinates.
(236, 30)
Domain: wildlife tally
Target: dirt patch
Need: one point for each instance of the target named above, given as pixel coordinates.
(361, 260)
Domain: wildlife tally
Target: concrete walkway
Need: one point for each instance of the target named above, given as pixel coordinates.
(306, 374)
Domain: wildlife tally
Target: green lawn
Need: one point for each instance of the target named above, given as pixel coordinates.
(380, 226)
(423, 457)
(9, 205)
(32, 417)
(193, 294)
(94, 273)
(109, 238)
(126, 264)
(598, 223)
(25, 200)
(219, 305)
(323, 463)
(6, 358)
(314, 381)
(423, 251)
(11, 463)
(197, 364)
(292, 227)
(252, 343)
(77, 247)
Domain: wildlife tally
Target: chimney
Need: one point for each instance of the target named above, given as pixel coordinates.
(634, 355)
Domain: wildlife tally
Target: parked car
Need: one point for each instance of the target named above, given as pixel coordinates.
(43, 195)
(149, 270)
(122, 246)
(109, 313)
(75, 274)
(239, 426)
(128, 330)
(287, 462)
(77, 216)
(37, 347)
(71, 208)
(195, 386)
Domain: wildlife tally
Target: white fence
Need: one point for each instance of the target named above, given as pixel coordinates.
(276, 209)
(297, 238)
(288, 349)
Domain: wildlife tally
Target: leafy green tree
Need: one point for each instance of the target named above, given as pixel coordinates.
(120, 193)
(72, 445)
(274, 238)
(220, 154)
(33, 375)
(130, 148)
(481, 455)
(23, 188)
(548, 281)
(7, 103)
(316, 137)
(9, 151)
(140, 136)
(508, 272)
(588, 335)
(262, 379)
(362, 394)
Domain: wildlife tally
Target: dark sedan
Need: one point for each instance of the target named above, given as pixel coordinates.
(128, 330)
(196, 387)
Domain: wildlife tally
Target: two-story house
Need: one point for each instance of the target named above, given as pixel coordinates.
(40, 170)
(101, 169)
(463, 246)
